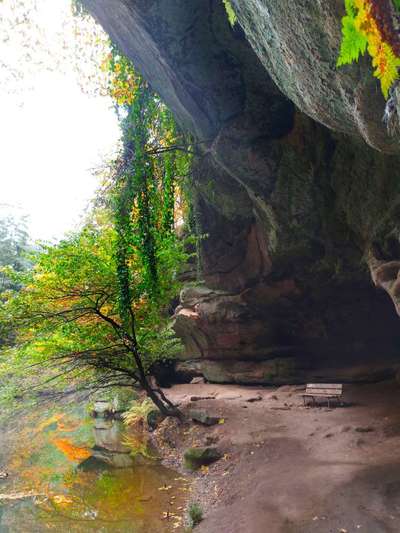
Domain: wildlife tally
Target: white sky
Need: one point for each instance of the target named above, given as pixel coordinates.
(51, 136)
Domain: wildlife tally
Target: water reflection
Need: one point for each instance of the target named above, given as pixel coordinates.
(86, 478)
(109, 446)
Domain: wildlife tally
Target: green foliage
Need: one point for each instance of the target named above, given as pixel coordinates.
(354, 43)
(138, 411)
(195, 514)
(230, 12)
(14, 244)
(122, 77)
(68, 310)
(146, 184)
(396, 4)
(93, 309)
(369, 26)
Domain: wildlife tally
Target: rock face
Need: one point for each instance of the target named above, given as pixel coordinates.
(299, 202)
(298, 43)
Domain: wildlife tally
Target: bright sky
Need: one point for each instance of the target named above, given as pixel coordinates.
(51, 136)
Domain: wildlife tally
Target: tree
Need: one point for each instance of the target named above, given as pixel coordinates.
(68, 320)
(14, 244)
(95, 306)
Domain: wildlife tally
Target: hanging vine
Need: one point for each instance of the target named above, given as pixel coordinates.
(146, 191)
(150, 177)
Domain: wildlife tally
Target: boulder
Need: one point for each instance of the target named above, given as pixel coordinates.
(204, 418)
(194, 458)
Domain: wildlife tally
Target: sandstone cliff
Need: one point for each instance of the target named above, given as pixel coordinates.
(298, 187)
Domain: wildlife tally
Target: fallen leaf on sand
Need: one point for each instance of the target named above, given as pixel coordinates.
(169, 487)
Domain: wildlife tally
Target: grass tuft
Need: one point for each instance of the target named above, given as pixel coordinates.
(195, 514)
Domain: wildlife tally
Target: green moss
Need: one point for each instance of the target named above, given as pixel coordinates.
(194, 458)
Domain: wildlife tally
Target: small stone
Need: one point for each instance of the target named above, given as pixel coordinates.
(228, 396)
(198, 380)
(252, 399)
(195, 458)
(204, 418)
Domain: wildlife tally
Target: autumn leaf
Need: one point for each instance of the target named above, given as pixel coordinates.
(74, 453)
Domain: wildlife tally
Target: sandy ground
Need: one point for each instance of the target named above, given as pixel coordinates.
(293, 469)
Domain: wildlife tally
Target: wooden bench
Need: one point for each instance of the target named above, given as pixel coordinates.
(330, 391)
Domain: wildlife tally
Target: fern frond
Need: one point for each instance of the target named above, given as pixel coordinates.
(350, 7)
(353, 44)
(386, 66)
(366, 26)
(138, 412)
(231, 14)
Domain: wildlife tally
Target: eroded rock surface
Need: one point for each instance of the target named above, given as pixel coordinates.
(294, 200)
(298, 42)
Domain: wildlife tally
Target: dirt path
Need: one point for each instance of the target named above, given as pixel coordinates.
(291, 469)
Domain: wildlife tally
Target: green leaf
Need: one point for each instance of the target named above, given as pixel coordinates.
(353, 42)
(350, 7)
(231, 14)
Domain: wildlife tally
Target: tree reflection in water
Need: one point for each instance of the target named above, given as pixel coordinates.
(89, 479)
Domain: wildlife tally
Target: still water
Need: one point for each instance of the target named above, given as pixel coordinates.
(69, 472)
